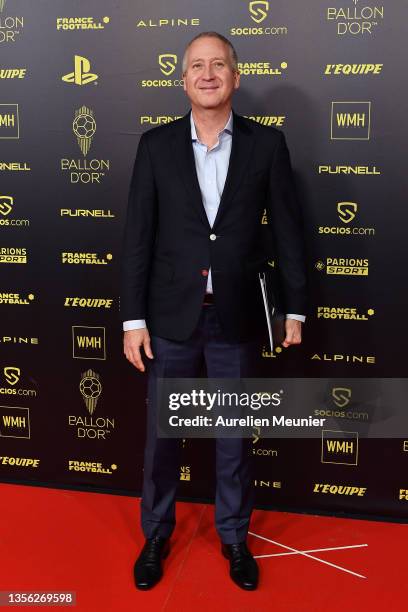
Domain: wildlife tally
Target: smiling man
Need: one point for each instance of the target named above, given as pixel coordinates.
(190, 288)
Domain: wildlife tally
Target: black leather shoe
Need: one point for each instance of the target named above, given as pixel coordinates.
(243, 567)
(148, 567)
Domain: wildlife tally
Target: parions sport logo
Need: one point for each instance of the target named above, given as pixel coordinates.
(258, 21)
(13, 255)
(343, 266)
(167, 64)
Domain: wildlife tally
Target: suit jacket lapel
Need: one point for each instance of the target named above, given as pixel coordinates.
(184, 155)
(241, 151)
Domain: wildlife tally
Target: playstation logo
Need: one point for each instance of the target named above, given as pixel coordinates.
(81, 74)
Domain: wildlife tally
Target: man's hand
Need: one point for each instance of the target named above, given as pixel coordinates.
(132, 341)
(293, 330)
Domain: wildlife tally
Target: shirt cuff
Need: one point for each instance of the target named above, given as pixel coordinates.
(296, 317)
(134, 324)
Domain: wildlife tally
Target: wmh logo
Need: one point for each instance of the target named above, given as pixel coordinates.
(9, 121)
(88, 342)
(350, 120)
(339, 447)
(14, 422)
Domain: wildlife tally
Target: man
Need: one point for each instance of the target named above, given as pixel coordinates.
(190, 289)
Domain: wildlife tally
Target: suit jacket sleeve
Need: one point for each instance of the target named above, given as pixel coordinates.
(139, 235)
(287, 226)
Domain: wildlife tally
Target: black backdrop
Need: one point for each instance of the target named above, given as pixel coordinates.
(79, 83)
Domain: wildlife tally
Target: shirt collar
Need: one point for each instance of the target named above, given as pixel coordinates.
(227, 128)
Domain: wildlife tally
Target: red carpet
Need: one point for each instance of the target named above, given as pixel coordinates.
(54, 540)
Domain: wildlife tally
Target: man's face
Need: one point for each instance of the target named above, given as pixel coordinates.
(209, 80)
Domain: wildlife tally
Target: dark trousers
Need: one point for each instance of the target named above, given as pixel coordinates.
(234, 476)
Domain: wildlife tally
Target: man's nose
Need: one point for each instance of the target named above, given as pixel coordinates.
(208, 72)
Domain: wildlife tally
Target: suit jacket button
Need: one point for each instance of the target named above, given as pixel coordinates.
(213, 237)
(204, 272)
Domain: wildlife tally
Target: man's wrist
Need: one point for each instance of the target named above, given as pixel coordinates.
(134, 324)
(296, 317)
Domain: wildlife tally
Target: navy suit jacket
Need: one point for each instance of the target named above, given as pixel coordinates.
(167, 247)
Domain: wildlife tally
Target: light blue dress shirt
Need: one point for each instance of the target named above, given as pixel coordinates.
(212, 167)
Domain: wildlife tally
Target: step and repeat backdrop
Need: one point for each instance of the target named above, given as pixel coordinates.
(80, 81)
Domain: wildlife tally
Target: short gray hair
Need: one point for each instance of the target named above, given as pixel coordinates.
(228, 43)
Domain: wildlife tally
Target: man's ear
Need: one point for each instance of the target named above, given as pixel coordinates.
(237, 80)
(184, 83)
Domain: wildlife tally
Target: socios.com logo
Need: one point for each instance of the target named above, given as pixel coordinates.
(6, 204)
(167, 63)
(258, 9)
(12, 375)
(341, 396)
(347, 211)
(81, 74)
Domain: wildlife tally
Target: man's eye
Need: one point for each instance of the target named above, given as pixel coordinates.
(196, 65)
(219, 64)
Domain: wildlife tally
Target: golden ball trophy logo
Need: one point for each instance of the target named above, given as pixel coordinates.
(91, 389)
(84, 127)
